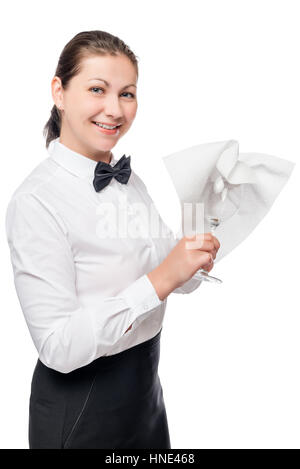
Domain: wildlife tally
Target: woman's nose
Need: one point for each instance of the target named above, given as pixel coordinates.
(113, 107)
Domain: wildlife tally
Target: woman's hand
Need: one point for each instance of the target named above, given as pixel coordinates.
(189, 255)
(213, 251)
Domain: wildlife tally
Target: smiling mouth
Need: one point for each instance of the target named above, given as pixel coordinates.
(107, 127)
(104, 131)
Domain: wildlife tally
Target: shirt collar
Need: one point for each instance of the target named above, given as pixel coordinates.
(76, 163)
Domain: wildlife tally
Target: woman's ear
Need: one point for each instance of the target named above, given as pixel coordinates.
(57, 92)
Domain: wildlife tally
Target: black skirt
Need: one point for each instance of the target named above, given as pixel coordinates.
(114, 402)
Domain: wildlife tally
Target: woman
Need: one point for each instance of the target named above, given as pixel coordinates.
(93, 297)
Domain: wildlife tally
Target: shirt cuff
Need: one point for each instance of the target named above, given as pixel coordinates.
(189, 286)
(141, 295)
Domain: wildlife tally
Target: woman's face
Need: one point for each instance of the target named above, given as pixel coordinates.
(89, 99)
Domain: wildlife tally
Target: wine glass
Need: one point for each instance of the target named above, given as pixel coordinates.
(221, 201)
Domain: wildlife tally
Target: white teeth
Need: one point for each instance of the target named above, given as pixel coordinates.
(110, 127)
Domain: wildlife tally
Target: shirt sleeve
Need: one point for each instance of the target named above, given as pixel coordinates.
(66, 335)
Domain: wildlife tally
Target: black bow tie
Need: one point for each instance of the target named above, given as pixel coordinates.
(104, 173)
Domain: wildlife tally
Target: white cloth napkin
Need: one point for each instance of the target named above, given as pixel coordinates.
(262, 178)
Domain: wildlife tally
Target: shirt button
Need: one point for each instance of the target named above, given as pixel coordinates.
(146, 307)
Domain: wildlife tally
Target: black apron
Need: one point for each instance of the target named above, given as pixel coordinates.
(113, 402)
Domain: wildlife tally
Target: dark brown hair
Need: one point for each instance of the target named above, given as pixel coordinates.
(79, 47)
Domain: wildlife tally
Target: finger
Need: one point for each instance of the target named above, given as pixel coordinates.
(201, 244)
(208, 267)
(202, 241)
(214, 253)
(207, 257)
(216, 243)
(205, 245)
(209, 248)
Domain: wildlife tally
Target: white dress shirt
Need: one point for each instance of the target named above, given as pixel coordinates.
(79, 290)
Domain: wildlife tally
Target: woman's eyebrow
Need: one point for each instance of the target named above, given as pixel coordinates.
(107, 84)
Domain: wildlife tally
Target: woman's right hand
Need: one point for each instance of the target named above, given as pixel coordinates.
(189, 255)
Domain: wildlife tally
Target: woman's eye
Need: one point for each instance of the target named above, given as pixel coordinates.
(132, 95)
(97, 88)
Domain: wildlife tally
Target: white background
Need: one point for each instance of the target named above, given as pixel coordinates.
(209, 71)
